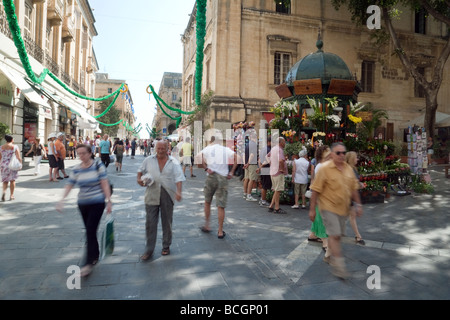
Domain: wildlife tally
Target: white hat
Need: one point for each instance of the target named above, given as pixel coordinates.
(59, 134)
(52, 135)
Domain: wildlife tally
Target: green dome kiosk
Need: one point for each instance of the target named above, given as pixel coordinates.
(323, 77)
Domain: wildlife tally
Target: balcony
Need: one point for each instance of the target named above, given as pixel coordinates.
(68, 29)
(33, 49)
(55, 12)
(4, 27)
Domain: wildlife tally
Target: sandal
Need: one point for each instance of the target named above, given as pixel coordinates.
(3, 197)
(360, 241)
(315, 240)
(280, 211)
(203, 229)
(222, 236)
(165, 252)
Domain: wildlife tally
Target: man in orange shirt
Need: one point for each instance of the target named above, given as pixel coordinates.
(334, 186)
(60, 155)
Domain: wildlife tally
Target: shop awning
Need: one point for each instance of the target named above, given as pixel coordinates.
(85, 120)
(19, 81)
(442, 119)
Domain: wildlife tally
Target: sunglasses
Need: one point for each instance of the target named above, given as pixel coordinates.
(341, 153)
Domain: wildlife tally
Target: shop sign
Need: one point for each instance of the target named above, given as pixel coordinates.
(48, 113)
(303, 87)
(342, 87)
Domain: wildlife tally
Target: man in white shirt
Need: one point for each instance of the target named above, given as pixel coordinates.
(216, 160)
(164, 188)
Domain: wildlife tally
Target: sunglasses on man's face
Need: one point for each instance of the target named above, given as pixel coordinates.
(341, 153)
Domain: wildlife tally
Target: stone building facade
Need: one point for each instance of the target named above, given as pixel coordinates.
(58, 36)
(251, 45)
(170, 93)
(124, 103)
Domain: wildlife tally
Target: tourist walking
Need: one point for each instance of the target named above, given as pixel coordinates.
(105, 150)
(90, 175)
(133, 148)
(186, 155)
(163, 177)
(8, 150)
(216, 160)
(335, 186)
(300, 178)
(250, 166)
(60, 155)
(38, 151)
(119, 150)
(352, 159)
(264, 172)
(318, 231)
(52, 158)
(278, 169)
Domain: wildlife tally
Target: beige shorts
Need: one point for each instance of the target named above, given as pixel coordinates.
(187, 161)
(334, 223)
(216, 184)
(300, 189)
(278, 182)
(250, 173)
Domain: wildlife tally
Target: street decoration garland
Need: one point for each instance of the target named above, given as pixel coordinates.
(159, 101)
(23, 55)
(201, 34)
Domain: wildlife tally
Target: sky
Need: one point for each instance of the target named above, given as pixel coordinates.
(139, 40)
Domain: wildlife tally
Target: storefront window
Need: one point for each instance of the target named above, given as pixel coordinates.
(30, 125)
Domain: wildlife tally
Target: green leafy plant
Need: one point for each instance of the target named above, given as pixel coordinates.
(4, 130)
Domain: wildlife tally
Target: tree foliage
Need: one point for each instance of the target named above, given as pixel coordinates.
(439, 10)
(112, 116)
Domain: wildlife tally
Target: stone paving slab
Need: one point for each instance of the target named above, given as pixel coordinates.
(263, 257)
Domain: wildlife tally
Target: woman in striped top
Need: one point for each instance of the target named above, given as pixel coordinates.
(90, 175)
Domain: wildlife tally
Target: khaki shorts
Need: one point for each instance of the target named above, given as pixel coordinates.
(250, 173)
(300, 188)
(278, 182)
(216, 184)
(334, 223)
(187, 161)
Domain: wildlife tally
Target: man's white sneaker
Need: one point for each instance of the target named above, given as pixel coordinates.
(250, 198)
(295, 206)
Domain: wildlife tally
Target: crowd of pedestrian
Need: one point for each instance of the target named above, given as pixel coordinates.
(261, 164)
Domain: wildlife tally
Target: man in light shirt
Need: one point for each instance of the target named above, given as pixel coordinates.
(164, 188)
(216, 160)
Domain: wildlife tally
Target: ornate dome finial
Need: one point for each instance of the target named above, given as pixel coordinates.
(319, 43)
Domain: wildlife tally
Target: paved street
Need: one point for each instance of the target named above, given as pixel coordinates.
(263, 256)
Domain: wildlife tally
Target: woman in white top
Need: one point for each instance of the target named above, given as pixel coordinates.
(300, 177)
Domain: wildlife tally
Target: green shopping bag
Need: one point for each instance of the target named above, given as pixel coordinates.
(108, 238)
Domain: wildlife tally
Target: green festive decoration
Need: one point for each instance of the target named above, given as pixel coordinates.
(201, 34)
(20, 45)
(110, 106)
(111, 125)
